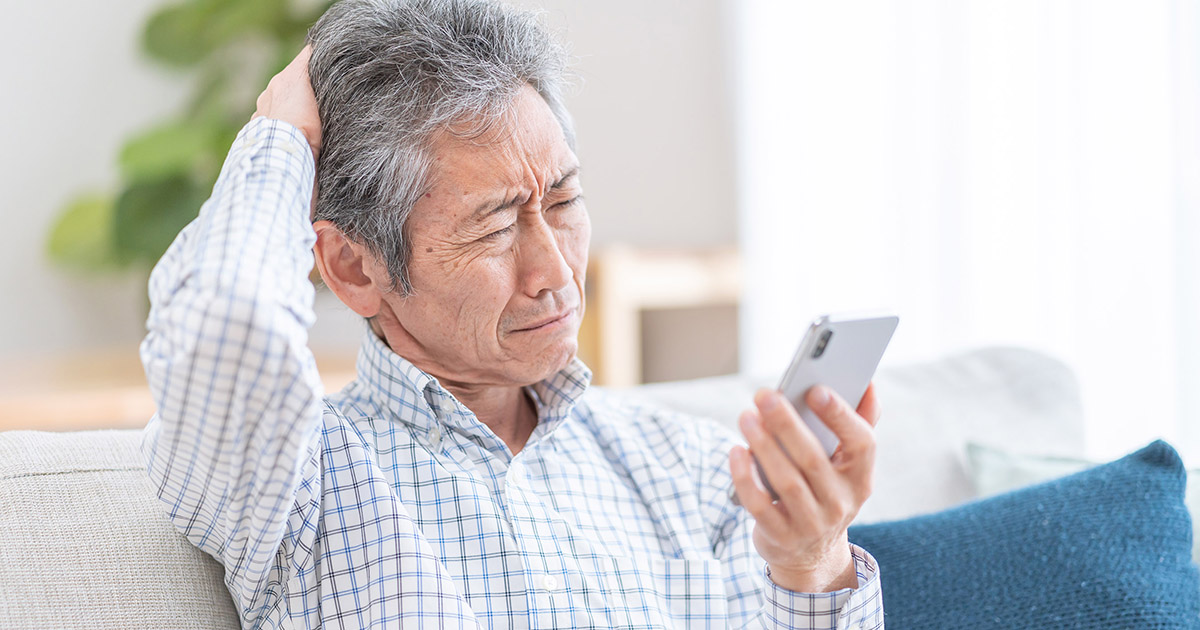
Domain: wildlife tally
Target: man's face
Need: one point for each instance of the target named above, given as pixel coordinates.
(499, 254)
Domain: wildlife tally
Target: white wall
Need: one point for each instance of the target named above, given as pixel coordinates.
(73, 87)
(1018, 172)
(652, 114)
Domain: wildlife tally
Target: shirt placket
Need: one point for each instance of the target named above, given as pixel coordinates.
(546, 575)
(529, 525)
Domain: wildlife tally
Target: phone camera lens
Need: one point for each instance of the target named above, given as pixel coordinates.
(821, 343)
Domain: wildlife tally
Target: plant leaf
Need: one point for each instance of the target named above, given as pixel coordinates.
(82, 236)
(165, 150)
(178, 34)
(150, 213)
(238, 17)
(187, 33)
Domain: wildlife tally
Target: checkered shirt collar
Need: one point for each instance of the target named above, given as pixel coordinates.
(412, 396)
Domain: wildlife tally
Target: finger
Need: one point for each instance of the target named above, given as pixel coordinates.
(868, 408)
(799, 443)
(781, 472)
(303, 57)
(855, 433)
(299, 64)
(756, 501)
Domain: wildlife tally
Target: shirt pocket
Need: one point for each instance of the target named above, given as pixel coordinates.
(671, 592)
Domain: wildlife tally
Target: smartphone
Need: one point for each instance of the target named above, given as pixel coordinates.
(840, 352)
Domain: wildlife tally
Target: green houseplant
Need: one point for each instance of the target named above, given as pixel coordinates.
(231, 48)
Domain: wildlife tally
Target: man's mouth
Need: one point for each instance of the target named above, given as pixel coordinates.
(548, 321)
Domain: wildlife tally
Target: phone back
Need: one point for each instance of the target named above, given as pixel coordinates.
(842, 354)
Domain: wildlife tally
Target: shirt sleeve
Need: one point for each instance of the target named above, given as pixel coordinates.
(233, 450)
(861, 607)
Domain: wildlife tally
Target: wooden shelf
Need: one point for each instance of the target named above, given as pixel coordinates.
(103, 389)
(623, 282)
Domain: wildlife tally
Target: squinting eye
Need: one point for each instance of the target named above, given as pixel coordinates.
(570, 202)
(499, 233)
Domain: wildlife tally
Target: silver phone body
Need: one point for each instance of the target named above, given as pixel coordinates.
(848, 356)
(849, 351)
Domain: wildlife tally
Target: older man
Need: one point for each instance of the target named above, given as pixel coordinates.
(465, 478)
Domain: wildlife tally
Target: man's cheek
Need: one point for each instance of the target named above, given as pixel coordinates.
(478, 319)
(573, 245)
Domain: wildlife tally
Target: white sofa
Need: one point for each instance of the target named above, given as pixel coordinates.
(84, 543)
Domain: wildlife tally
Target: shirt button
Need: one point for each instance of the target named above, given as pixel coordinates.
(435, 438)
(549, 582)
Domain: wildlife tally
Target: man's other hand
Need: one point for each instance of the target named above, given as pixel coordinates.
(289, 97)
(803, 535)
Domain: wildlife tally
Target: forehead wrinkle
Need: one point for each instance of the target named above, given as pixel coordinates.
(496, 204)
(462, 174)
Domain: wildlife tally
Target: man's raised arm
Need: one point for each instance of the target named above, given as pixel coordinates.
(234, 447)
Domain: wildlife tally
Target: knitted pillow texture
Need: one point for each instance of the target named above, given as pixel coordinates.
(1109, 547)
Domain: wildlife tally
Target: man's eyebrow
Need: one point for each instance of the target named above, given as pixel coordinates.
(493, 206)
(572, 172)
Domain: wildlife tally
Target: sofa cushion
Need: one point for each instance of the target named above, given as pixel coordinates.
(1109, 547)
(84, 542)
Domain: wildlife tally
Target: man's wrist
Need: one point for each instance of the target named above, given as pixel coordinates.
(834, 573)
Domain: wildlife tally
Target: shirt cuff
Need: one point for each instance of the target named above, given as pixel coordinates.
(276, 145)
(860, 607)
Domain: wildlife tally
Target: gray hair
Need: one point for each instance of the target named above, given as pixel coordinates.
(389, 75)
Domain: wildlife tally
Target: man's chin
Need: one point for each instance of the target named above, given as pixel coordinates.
(552, 360)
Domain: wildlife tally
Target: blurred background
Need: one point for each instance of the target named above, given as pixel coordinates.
(1017, 172)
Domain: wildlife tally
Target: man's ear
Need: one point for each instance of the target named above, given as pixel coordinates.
(349, 269)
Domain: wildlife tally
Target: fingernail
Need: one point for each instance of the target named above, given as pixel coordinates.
(820, 396)
(748, 422)
(768, 400)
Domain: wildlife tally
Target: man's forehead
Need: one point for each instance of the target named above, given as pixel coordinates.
(497, 202)
(473, 169)
(489, 169)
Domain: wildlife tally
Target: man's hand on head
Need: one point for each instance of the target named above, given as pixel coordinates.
(803, 535)
(289, 97)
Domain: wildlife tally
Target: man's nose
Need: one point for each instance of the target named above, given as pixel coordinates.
(542, 263)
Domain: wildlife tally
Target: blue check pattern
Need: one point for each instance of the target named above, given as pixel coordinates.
(389, 504)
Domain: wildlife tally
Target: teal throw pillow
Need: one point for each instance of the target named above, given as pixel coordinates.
(995, 471)
(1109, 547)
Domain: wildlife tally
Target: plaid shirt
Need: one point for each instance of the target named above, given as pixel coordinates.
(389, 504)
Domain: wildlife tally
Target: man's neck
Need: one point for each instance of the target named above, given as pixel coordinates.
(507, 411)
